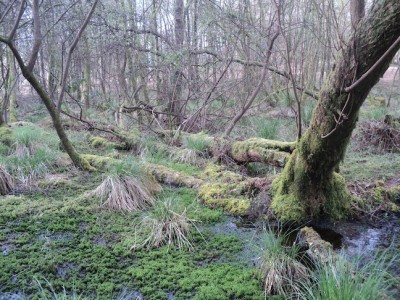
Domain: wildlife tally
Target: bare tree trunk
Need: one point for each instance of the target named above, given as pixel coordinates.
(86, 74)
(12, 116)
(176, 95)
(27, 72)
(308, 187)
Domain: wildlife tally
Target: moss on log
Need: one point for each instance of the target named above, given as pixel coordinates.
(172, 177)
(231, 197)
(261, 150)
(318, 249)
(232, 192)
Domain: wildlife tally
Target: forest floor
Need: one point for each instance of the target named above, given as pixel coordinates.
(59, 241)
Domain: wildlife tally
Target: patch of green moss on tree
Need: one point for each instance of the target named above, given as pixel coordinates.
(293, 198)
(286, 203)
(338, 198)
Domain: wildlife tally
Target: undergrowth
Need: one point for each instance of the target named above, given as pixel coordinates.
(62, 236)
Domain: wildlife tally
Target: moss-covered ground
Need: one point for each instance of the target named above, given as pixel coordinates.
(60, 236)
(56, 238)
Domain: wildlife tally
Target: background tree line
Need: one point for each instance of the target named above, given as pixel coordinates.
(192, 65)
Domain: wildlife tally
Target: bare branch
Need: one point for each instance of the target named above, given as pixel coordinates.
(70, 51)
(37, 36)
(392, 49)
(17, 20)
(7, 11)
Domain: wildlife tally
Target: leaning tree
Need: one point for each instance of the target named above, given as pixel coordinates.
(309, 187)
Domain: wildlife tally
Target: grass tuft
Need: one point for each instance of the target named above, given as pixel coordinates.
(339, 279)
(128, 187)
(199, 142)
(267, 128)
(123, 193)
(6, 182)
(167, 224)
(185, 156)
(281, 270)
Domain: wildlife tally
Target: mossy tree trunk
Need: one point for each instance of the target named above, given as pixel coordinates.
(308, 187)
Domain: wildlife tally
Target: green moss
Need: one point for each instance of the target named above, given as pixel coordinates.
(255, 143)
(96, 161)
(338, 198)
(286, 203)
(378, 195)
(55, 182)
(97, 141)
(232, 197)
(6, 136)
(169, 176)
(61, 237)
(293, 198)
(219, 173)
(267, 151)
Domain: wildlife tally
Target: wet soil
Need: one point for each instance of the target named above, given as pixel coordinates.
(350, 238)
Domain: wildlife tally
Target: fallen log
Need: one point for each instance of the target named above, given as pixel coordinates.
(260, 150)
(172, 177)
(319, 250)
(270, 152)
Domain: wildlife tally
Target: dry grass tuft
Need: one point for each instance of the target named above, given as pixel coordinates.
(6, 182)
(185, 156)
(282, 272)
(122, 192)
(166, 225)
(378, 136)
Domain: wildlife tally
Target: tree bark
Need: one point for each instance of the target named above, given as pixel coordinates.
(357, 11)
(308, 187)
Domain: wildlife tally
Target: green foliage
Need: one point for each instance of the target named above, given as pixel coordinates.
(187, 198)
(200, 142)
(307, 110)
(7, 137)
(340, 279)
(31, 155)
(267, 128)
(97, 141)
(375, 112)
